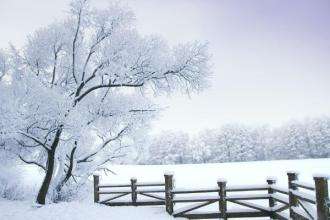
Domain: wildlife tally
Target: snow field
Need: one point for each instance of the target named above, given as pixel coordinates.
(190, 176)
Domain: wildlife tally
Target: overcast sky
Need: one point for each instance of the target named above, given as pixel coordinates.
(271, 59)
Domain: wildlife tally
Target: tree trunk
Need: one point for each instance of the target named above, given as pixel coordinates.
(41, 198)
(68, 172)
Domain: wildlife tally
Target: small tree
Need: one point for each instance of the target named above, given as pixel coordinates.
(82, 78)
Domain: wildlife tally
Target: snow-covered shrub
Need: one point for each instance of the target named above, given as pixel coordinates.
(12, 186)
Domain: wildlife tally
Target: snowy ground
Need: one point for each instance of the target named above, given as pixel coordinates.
(205, 175)
(78, 211)
(187, 176)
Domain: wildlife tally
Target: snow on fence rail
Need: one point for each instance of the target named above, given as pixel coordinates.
(300, 201)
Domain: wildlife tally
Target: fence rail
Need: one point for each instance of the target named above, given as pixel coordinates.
(300, 201)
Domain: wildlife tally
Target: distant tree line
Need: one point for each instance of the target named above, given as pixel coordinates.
(308, 138)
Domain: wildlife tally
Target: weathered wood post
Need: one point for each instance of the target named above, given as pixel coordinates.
(271, 182)
(222, 202)
(96, 180)
(322, 197)
(168, 192)
(134, 188)
(293, 201)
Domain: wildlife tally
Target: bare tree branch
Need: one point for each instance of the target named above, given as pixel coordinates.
(74, 45)
(23, 144)
(106, 170)
(79, 98)
(35, 140)
(83, 83)
(141, 110)
(105, 143)
(70, 167)
(56, 52)
(32, 162)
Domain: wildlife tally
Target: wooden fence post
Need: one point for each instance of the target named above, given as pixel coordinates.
(222, 201)
(168, 193)
(293, 201)
(271, 201)
(96, 180)
(133, 188)
(322, 197)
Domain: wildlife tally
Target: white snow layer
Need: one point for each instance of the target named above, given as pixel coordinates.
(10, 210)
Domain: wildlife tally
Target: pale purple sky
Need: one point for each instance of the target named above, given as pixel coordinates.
(271, 59)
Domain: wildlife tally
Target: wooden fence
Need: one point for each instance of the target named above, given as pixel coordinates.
(300, 201)
(133, 189)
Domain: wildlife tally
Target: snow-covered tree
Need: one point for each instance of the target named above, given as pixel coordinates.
(237, 141)
(3, 64)
(169, 148)
(309, 138)
(85, 80)
(234, 142)
(318, 137)
(206, 148)
(289, 141)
